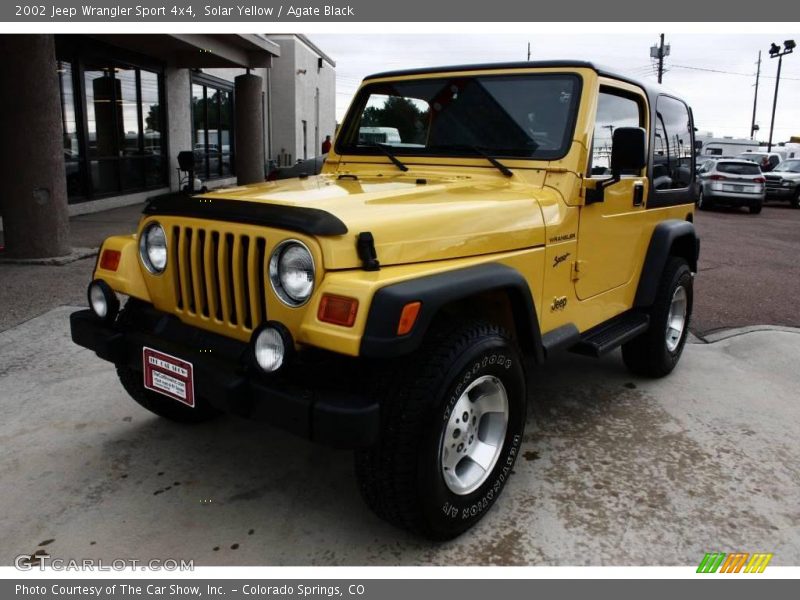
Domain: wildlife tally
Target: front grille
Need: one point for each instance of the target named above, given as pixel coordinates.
(773, 183)
(219, 275)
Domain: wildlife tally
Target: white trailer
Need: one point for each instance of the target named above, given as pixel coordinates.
(706, 145)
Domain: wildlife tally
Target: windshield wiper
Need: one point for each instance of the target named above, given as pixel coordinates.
(483, 152)
(500, 166)
(397, 162)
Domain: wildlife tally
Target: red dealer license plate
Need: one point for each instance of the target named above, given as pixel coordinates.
(168, 375)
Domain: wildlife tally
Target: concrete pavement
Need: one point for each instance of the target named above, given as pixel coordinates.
(614, 470)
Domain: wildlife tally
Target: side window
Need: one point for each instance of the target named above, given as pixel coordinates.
(613, 111)
(672, 149)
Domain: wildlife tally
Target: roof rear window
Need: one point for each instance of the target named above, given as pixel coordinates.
(736, 168)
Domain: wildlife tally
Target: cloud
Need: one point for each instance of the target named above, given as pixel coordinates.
(715, 73)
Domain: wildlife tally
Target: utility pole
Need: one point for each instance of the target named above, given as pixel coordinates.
(658, 53)
(755, 99)
(775, 52)
(529, 50)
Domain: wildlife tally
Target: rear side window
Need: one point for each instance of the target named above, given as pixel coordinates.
(672, 145)
(738, 168)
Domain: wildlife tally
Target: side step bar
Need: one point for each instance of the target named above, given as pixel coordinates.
(610, 335)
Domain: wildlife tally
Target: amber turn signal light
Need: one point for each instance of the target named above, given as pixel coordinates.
(110, 260)
(338, 310)
(408, 317)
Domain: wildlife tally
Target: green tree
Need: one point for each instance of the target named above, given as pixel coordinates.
(400, 113)
(152, 121)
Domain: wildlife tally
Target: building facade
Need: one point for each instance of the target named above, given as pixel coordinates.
(303, 100)
(130, 103)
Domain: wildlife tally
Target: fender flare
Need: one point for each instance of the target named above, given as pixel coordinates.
(380, 339)
(669, 234)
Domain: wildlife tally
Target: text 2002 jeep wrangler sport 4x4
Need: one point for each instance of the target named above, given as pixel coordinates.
(391, 303)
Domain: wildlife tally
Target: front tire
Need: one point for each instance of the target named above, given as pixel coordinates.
(452, 423)
(656, 352)
(795, 201)
(133, 382)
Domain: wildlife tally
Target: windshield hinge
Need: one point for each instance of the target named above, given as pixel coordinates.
(365, 246)
(578, 267)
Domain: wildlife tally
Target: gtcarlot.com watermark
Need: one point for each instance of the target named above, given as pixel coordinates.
(28, 562)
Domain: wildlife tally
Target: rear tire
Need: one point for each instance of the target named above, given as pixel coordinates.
(421, 475)
(703, 203)
(755, 208)
(656, 352)
(795, 201)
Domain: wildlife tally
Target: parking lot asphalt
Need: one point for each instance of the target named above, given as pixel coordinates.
(614, 470)
(749, 273)
(30, 290)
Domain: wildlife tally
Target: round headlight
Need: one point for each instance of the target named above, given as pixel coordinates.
(269, 349)
(153, 248)
(291, 272)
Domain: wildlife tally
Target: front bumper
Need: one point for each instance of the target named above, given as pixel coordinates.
(782, 193)
(223, 378)
(734, 198)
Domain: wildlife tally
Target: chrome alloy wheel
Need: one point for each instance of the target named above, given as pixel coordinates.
(676, 319)
(474, 434)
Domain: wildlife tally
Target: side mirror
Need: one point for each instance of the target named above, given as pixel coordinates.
(628, 150)
(628, 153)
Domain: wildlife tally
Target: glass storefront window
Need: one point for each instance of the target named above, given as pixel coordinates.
(69, 130)
(112, 131)
(151, 114)
(226, 132)
(104, 129)
(212, 130)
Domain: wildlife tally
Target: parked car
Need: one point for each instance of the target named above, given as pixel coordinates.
(783, 182)
(393, 303)
(302, 168)
(730, 182)
(773, 159)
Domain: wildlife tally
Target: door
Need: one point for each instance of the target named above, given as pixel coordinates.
(609, 232)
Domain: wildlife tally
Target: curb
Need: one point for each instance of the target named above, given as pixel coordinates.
(57, 261)
(724, 334)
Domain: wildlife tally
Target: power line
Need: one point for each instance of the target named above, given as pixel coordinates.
(730, 72)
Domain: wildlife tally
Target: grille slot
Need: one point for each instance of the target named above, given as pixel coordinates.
(219, 276)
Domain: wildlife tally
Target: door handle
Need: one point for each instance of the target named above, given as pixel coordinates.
(638, 193)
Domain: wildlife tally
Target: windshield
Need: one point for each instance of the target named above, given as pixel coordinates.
(524, 116)
(789, 165)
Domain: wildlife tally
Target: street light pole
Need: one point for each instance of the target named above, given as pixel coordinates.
(775, 52)
(775, 103)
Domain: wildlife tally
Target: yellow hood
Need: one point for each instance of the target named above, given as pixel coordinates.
(411, 221)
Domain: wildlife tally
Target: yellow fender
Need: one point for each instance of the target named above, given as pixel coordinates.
(127, 279)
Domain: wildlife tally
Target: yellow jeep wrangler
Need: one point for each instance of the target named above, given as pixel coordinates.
(468, 222)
